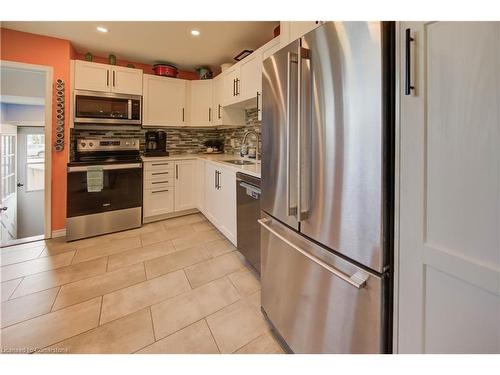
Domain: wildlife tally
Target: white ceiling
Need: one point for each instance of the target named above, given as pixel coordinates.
(152, 42)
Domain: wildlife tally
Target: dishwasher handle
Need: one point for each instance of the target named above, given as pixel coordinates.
(252, 191)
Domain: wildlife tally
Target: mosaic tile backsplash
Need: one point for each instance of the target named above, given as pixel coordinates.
(181, 140)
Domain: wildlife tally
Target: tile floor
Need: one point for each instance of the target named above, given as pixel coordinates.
(175, 286)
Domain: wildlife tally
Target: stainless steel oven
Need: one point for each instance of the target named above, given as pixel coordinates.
(107, 108)
(104, 188)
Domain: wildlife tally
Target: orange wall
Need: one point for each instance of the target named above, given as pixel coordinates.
(41, 50)
(147, 69)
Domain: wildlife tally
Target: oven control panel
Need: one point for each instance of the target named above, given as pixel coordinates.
(121, 144)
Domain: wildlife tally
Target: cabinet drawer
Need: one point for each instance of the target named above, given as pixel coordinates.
(158, 183)
(159, 174)
(158, 165)
(158, 201)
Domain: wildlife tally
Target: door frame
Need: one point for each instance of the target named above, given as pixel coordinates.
(49, 77)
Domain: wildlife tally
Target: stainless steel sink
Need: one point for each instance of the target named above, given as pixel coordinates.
(239, 162)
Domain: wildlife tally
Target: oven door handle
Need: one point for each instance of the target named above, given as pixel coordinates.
(85, 168)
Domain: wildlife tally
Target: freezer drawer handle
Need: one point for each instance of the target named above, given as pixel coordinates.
(357, 280)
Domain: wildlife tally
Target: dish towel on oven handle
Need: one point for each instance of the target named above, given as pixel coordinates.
(95, 179)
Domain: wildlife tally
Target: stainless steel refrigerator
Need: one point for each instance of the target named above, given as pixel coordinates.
(327, 189)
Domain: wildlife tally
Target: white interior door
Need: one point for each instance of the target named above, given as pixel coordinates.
(449, 257)
(8, 176)
(30, 181)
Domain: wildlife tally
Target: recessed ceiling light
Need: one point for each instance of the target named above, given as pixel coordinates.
(102, 29)
(195, 32)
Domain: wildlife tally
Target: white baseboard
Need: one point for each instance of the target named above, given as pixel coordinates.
(59, 233)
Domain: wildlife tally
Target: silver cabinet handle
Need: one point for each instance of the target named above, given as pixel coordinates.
(159, 173)
(107, 78)
(114, 78)
(159, 191)
(159, 182)
(176, 172)
(160, 164)
(357, 280)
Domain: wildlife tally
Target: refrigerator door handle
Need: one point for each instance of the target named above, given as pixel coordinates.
(358, 280)
(292, 211)
(302, 54)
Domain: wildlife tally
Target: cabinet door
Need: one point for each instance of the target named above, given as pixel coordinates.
(211, 193)
(292, 30)
(92, 76)
(223, 115)
(250, 82)
(230, 77)
(200, 185)
(201, 103)
(227, 206)
(449, 204)
(126, 80)
(185, 185)
(158, 201)
(164, 101)
(217, 95)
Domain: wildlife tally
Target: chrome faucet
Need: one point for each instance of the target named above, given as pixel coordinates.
(243, 142)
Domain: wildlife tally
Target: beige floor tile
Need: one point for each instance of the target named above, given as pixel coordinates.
(245, 281)
(8, 288)
(194, 339)
(166, 234)
(29, 267)
(99, 285)
(112, 247)
(219, 247)
(202, 226)
(265, 344)
(175, 261)
(236, 325)
(185, 309)
(59, 245)
(22, 246)
(190, 240)
(51, 328)
(27, 307)
(212, 269)
(60, 276)
(21, 255)
(141, 254)
(183, 220)
(138, 296)
(125, 335)
(254, 300)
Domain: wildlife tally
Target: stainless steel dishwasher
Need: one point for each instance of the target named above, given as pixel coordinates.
(248, 212)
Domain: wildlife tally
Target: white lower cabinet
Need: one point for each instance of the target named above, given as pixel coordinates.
(158, 201)
(220, 198)
(181, 186)
(185, 185)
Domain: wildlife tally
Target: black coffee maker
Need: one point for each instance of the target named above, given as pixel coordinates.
(156, 143)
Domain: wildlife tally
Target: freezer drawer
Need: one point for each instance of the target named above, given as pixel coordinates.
(318, 302)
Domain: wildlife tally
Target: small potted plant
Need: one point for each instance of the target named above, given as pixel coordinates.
(209, 144)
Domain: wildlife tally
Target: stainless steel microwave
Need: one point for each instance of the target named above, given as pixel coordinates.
(93, 107)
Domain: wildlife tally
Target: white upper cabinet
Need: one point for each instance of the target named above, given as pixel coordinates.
(223, 115)
(292, 30)
(201, 103)
(230, 77)
(126, 80)
(250, 77)
(164, 101)
(107, 78)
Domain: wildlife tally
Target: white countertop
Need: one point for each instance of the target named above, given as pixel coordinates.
(250, 169)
